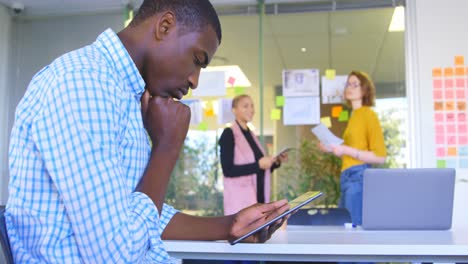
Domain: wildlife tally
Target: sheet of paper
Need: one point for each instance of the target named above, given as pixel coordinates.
(211, 83)
(325, 136)
(302, 82)
(196, 110)
(225, 114)
(301, 111)
(333, 89)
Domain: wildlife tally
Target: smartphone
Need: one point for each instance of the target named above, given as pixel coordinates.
(295, 204)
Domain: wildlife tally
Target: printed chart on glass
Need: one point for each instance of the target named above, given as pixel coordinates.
(450, 94)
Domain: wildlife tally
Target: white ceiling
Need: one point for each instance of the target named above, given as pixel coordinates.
(343, 40)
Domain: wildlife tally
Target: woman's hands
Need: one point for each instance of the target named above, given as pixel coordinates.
(266, 162)
(338, 150)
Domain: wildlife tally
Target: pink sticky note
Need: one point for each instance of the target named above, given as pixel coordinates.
(463, 140)
(439, 117)
(437, 83)
(437, 94)
(462, 129)
(439, 130)
(450, 117)
(451, 129)
(452, 140)
(449, 94)
(460, 94)
(440, 139)
(460, 83)
(440, 152)
(448, 83)
(461, 117)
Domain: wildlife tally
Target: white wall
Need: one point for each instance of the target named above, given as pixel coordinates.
(5, 36)
(436, 32)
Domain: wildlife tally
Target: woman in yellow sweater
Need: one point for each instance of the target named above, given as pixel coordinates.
(363, 143)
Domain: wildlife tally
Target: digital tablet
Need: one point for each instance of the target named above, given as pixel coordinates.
(294, 204)
(282, 151)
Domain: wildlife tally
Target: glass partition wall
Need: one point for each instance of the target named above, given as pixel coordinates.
(265, 39)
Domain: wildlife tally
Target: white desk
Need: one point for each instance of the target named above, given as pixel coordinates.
(335, 243)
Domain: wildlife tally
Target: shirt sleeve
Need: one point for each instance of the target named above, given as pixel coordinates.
(226, 144)
(77, 134)
(375, 137)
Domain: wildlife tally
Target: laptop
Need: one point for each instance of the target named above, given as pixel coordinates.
(408, 199)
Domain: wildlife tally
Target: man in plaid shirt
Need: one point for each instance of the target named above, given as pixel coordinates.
(86, 185)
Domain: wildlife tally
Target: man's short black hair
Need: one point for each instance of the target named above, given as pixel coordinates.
(194, 15)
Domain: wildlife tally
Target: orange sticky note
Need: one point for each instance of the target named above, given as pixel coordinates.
(438, 106)
(209, 112)
(452, 151)
(449, 106)
(459, 60)
(459, 71)
(448, 72)
(436, 72)
(461, 106)
(336, 110)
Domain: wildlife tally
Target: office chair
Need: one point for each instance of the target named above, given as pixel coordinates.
(320, 216)
(5, 254)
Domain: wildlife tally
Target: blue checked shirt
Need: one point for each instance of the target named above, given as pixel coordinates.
(78, 149)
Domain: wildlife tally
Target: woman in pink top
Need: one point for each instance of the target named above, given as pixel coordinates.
(246, 168)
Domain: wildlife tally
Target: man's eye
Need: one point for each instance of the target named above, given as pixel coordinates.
(197, 61)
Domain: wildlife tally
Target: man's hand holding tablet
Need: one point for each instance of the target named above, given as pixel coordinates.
(261, 229)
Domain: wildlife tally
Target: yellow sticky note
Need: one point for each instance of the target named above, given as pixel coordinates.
(336, 110)
(326, 121)
(239, 90)
(459, 60)
(452, 151)
(230, 93)
(279, 101)
(203, 126)
(330, 74)
(275, 114)
(189, 94)
(344, 116)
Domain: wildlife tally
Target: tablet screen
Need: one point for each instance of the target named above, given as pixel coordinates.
(294, 204)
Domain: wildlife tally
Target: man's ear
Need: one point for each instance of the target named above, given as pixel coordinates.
(166, 23)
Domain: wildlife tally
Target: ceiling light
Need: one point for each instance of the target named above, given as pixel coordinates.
(303, 49)
(398, 20)
(234, 75)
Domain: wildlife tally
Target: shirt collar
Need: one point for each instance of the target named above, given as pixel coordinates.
(109, 44)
